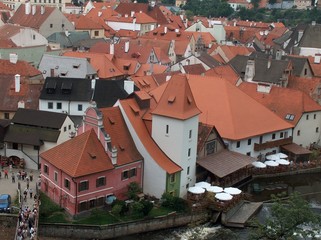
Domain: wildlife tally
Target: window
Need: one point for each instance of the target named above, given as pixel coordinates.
(101, 181)
(172, 178)
(92, 203)
(261, 139)
(69, 127)
(62, 25)
(317, 130)
(51, 25)
(187, 185)
(314, 116)
(82, 206)
(128, 174)
(83, 186)
(273, 136)
(190, 134)
(249, 141)
(167, 129)
(298, 133)
(132, 172)
(189, 152)
(210, 147)
(50, 105)
(96, 33)
(67, 183)
(187, 170)
(79, 107)
(65, 129)
(6, 115)
(36, 148)
(124, 175)
(305, 71)
(59, 105)
(56, 176)
(307, 117)
(33, 36)
(238, 144)
(281, 134)
(248, 153)
(46, 169)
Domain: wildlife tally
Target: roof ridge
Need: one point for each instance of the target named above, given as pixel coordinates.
(83, 150)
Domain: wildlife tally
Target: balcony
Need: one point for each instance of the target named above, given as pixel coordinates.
(272, 144)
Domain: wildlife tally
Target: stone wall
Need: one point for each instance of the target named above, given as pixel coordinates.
(8, 224)
(70, 231)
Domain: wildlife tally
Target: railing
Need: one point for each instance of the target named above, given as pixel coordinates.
(272, 144)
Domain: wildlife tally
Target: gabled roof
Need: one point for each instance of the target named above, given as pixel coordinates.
(148, 68)
(68, 40)
(208, 60)
(298, 63)
(224, 71)
(160, 33)
(311, 37)
(29, 94)
(80, 156)
(195, 69)
(316, 67)
(236, 115)
(145, 83)
(4, 7)
(283, 101)
(135, 117)
(22, 68)
(140, 18)
(229, 52)
(240, 34)
(30, 20)
(39, 118)
(177, 100)
(154, 12)
(82, 22)
(116, 127)
(108, 92)
(67, 89)
(307, 85)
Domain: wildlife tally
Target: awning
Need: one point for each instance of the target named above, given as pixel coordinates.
(225, 162)
(296, 149)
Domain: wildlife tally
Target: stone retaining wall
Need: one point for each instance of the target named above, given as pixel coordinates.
(70, 231)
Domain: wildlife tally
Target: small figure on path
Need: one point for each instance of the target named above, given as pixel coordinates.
(6, 173)
(30, 192)
(13, 178)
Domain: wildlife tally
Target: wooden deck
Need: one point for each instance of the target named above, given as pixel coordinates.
(240, 214)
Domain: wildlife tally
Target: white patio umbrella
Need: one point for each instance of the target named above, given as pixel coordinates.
(283, 162)
(223, 196)
(271, 163)
(281, 155)
(272, 157)
(202, 184)
(233, 190)
(196, 190)
(258, 164)
(214, 189)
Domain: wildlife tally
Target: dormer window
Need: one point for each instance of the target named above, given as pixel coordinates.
(75, 66)
(66, 88)
(51, 87)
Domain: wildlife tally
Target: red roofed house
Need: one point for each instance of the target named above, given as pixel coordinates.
(166, 135)
(46, 20)
(101, 161)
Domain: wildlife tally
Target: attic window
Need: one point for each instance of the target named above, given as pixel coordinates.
(136, 55)
(121, 147)
(63, 74)
(142, 82)
(289, 117)
(92, 155)
(126, 66)
(76, 66)
(146, 83)
(189, 99)
(66, 87)
(178, 34)
(155, 33)
(111, 120)
(51, 87)
(171, 99)
(111, 70)
(134, 109)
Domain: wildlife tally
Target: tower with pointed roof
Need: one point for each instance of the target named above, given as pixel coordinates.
(175, 130)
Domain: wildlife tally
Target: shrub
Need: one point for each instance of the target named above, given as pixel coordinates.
(137, 208)
(133, 190)
(123, 209)
(116, 210)
(174, 203)
(147, 207)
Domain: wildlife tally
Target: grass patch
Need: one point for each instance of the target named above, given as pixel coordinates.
(49, 210)
(97, 217)
(161, 211)
(57, 217)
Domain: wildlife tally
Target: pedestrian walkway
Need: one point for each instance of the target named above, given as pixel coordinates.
(11, 183)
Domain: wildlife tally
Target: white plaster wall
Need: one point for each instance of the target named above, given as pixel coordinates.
(74, 108)
(154, 180)
(122, 25)
(305, 51)
(245, 148)
(71, 108)
(176, 144)
(65, 135)
(28, 37)
(193, 60)
(307, 128)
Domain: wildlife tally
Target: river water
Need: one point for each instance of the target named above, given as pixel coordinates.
(309, 185)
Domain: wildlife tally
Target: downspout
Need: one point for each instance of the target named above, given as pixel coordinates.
(142, 175)
(76, 202)
(61, 185)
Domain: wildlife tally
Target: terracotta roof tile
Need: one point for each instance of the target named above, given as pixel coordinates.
(316, 67)
(82, 22)
(4, 7)
(145, 83)
(195, 69)
(135, 114)
(236, 115)
(159, 33)
(145, 69)
(283, 101)
(310, 86)
(116, 127)
(224, 71)
(123, 33)
(240, 34)
(80, 156)
(21, 67)
(177, 100)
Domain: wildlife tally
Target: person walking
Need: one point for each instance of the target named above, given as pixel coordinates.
(30, 192)
(13, 178)
(6, 173)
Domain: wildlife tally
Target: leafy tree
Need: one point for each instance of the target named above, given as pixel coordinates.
(133, 190)
(287, 219)
(213, 8)
(174, 203)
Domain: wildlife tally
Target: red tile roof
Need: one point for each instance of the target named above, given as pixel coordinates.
(159, 33)
(141, 18)
(80, 156)
(240, 34)
(236, 115)
(224, 71)
(316, 67)
(308, 85)
(229, 52)
(283, 101)
(145, 83)
(177, 100)
(123, 33)
(4, 7)
(146, 68)
(135, 115)
(116, 127)
(82, 22)
(21, 67)
(29, 20)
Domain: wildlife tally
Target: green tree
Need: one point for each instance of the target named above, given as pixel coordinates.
(287, 219)
(133, 190)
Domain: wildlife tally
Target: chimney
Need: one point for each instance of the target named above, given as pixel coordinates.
(300, 34)
(42, 10)
(126, 47)
(27, 7)
(33, 8)
(111, 48)
(269, 62)
(21, 104)
(17, 83)
(250, 70)
(99, 14)
(129, 86)
(132, 13)
(114, 155)
(134, 24)
(317, 58)
(93, 83)
(13, 58)
(108, 144)
(165, 30)
(168, 77)
(126, 15)
(278, 55)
